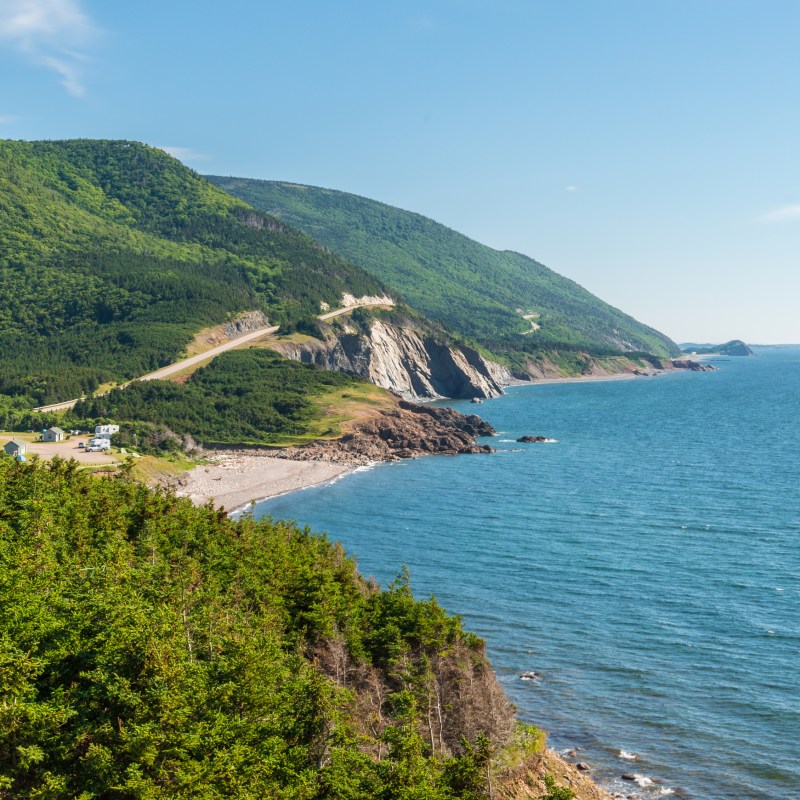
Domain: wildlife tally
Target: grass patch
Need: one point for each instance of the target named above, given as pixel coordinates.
(153, 470)
(289, 338)
(335, 412)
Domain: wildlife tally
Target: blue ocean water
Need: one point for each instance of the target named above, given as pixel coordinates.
(647, 566)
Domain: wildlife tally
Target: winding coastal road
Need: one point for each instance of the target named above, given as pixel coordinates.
(179, 366)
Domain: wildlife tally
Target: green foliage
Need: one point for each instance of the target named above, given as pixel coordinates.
(554, 791)
(113, 254)
(150, 649)
(242, 396)
(476, 291)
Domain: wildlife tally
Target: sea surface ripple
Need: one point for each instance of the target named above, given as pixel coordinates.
(647, 566)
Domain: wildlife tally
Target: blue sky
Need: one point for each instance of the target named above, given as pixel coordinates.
(647, 149)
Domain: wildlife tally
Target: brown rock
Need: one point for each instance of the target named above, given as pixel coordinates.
(402, 431)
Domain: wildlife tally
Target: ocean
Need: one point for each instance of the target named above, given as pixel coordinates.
(646, 566)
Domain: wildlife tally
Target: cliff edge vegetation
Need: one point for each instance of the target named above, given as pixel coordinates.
(151, 649)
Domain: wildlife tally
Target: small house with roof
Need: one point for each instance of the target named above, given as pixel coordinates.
(16, 447)
(53, 435)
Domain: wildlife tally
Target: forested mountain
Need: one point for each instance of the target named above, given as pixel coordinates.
(735, 347)
(477, 291)
(156, 650)
(112, 254)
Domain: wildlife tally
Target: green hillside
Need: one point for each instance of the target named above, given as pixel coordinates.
(735, 347)
(112, 254)
(249, 396)
(477, 291)
(151, 649)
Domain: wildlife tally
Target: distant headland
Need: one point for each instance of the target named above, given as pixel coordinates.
(735, 347)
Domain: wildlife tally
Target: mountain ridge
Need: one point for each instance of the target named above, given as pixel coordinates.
(113, 254)
(476, 291)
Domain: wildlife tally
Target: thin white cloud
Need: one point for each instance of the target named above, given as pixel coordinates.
(570, 188)
(785, 214)
(51, 33)
(7, 119)
(185, 153)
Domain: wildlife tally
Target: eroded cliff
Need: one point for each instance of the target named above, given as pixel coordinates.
(410, 360)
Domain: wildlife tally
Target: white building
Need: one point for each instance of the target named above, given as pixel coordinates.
(53, 435)
(105, 431)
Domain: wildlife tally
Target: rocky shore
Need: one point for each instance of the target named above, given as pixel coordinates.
(233, 478)
(407, 430)
(693, 366)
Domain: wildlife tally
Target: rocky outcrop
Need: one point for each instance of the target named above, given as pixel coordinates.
(351, 301)
(409, 360)
(693, 366)
(527, 781)
(406, 430)
(244, 323)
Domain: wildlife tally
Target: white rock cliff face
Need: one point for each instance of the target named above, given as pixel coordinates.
(408, 361)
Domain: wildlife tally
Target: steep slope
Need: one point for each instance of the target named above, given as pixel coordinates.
(401, 351)
(479, 292)
(112, 254)
(153, 649)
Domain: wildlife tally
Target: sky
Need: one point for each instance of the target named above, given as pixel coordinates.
(647, 149)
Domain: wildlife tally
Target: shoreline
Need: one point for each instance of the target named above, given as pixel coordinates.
(232, 481)
(623, 376)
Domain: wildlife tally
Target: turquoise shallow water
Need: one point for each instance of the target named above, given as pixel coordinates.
(647, 565)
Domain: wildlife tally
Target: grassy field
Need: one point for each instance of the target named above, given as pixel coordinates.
(336, 412)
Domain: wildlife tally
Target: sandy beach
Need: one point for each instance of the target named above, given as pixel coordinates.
(623, 376)
(233, 480)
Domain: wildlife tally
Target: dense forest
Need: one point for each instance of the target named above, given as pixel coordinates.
(113, 254)
(248, 396)
(476, 291)
(151, 649)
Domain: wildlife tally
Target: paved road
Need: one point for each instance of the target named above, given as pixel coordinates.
(179, 366)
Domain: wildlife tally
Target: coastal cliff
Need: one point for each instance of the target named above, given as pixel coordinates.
(409, 359)
(418, 361)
